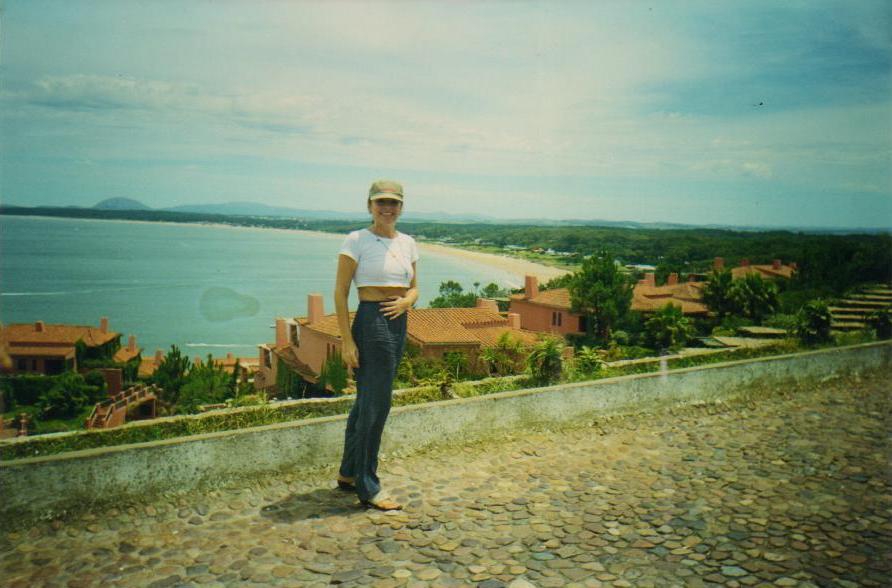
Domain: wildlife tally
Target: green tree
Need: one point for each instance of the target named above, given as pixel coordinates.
(452, 295)
(668, 328)
(67, 397)
(601, 292)
(493, 290)
(334, 373)
(754, 297)
(717, 293)
(813, 322)
(545, 362)
(171, 375)
(206, 383)
(234, 380)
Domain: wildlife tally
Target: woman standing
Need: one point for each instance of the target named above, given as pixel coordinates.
(382, 262)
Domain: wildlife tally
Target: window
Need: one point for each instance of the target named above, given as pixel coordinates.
(556, 318)
(33, 365)
(23, 365)
(293, 334)
(267, 360)
(54, 366)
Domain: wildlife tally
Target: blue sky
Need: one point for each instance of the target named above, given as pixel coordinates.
(744, 113)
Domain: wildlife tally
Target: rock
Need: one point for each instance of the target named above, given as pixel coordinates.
(734, 571)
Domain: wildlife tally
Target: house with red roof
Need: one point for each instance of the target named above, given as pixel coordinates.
(303, 344)
(546, 311)
(42, 348)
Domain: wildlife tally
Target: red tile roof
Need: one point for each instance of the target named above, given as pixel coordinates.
(687, 295)
(555, 298)
(766, 271)
(124, 354)
(56, 335)
(441, 326)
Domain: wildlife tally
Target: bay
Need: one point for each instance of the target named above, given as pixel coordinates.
(205, 288)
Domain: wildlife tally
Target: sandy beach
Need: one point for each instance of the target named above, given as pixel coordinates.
(513, 265)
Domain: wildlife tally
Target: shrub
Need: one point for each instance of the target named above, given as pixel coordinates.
(544, 361)
(26, 390)
(249, 400)
(66, 398)
(456, 363)
(881, 322)
(781, 321)
(813, 323)
(502, 358)
(588, 361)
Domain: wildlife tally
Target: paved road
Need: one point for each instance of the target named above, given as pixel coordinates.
(792, 490)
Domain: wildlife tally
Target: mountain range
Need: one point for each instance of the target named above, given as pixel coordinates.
(264, 210)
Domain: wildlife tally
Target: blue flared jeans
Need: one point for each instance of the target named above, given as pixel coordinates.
(380, 342)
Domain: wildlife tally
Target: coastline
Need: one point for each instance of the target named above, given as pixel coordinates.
(513, 265)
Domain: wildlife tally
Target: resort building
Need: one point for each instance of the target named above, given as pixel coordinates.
(546, 311)
(41, 348)
(304, 344)
(648, 297)
(774, 270)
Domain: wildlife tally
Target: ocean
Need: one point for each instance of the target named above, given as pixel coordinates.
(205, 288)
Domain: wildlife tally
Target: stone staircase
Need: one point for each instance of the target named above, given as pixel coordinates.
(850, 314)
(113, 411)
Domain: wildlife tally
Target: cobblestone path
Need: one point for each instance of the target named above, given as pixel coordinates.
(788, 491)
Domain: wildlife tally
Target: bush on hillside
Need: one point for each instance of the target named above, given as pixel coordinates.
(545, 362)
(813, 323)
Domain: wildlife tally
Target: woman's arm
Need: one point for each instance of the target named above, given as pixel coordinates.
(400, 304)
(346, 269)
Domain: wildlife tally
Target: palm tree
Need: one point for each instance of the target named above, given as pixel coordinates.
(668, 328)
(717, 293)
(754, 297)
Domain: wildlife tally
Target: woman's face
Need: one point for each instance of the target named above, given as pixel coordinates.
(385, 210)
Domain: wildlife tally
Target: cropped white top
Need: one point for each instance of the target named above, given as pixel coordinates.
(380, 261)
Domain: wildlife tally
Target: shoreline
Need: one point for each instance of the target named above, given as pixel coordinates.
(512, 265)
(506, 263)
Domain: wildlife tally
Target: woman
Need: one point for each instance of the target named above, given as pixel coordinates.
(382, 262)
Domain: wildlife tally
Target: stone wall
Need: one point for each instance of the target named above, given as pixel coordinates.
(46, 486)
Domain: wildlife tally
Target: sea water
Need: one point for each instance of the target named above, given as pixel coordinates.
(205, 288)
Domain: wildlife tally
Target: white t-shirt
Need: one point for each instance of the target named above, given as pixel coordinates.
(380, 261)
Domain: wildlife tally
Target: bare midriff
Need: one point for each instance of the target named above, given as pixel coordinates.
(380, 293)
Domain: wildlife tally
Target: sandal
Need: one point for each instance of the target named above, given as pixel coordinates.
(346, 484)
(382, 504)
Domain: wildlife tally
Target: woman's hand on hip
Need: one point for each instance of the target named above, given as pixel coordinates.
(395, 307)
(350, 355)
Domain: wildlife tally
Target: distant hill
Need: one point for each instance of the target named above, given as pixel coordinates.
(121, 204)
(257, 209)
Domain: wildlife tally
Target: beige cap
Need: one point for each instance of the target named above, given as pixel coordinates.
(386, 189)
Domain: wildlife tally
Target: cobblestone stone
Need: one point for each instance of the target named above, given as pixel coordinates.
(791, 490)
